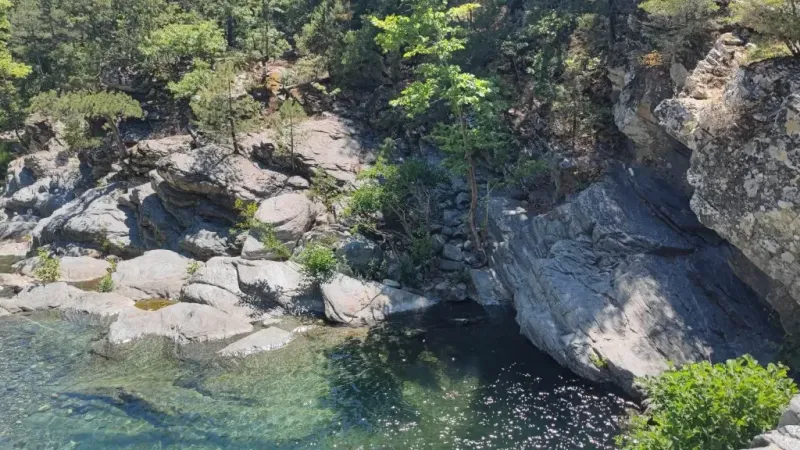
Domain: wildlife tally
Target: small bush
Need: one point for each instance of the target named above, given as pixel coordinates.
(710, 407)
(193, 267)
(106, 283)
(49, 267)
(247, 215)
(271, 242)
(319, 263)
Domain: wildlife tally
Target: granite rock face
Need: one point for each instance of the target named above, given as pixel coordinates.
(623, 279)
(289, 216)
(743, 125)
(156, 274)
(69, 299)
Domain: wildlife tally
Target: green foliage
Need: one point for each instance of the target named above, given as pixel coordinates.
(284, 124)
(9, 67)
(220, 111)
(318, 263)
(710, 407)
(776, 19)
(270, 241)
(106, 283)
(77, 109)
(766, 49)
(324, 32)
(170, 48)
(48, 268)
(325, 189)
(247, 215)
(193, 267)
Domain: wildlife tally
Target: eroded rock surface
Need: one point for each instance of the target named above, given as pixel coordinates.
(65, 298)
(623, 279)
(743, 125)
(288, 216)
(266, 340)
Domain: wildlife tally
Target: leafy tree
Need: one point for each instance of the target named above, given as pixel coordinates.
(77, 109)
(324, 32)
(284, 124)
(177, 45)
(318, 263)
(779, 19)
(432, 32)
(221, 108)
(710, 407)
(9, 67)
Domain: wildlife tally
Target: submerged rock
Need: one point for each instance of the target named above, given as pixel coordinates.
(358, 303)
(156, 274)
(182, 323)
(624, 279)
(272, 338)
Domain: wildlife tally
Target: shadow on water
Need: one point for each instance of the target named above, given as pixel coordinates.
(483, 385)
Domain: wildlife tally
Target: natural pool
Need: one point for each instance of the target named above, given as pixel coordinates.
(422, 382)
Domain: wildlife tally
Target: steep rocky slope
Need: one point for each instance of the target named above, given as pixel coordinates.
(742, 123)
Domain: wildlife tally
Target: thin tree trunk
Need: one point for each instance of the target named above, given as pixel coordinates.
(291, 137)
(266, 37)
(231, 121)
(473, 186)
(117, 138)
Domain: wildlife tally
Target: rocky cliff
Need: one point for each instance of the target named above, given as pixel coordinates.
(742, 123)
(623, 279)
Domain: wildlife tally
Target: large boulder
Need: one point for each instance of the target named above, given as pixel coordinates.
(11, 252)
(289, 216)
(156, 274)
(218, 173)
(328, 143)
(74, 270)
(99, 219)
(182, 323)
(42, 182)
(359, 256)
(251, 288)
(69, 299)
(743, 124)
(623, 280)
(144, 156)
(363, 303)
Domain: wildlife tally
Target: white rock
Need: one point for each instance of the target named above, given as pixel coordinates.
(156, 274)
(272, 338)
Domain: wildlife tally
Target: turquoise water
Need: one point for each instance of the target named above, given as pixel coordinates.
(424, 382)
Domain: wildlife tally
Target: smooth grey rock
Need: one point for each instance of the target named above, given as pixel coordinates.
(448, 231)
(73, 269)
(267, 283)
(18, 227)
(183, 323)
(391, 283)
(65, 298)
(437, 243)
(625, 274)
(289, 216)
(452, 253)
(451, 266)
(361, 256)
(358, 303)
(743, 125)
(206, 240)
(329, 143)
(458, 294)
(487, 288)
(11, 252)
(12, 284)
(156, 274)
(266, 340)
(3, 312)
(453, 218)
(218, 171)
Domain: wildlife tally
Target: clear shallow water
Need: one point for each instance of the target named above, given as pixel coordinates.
(425, 382)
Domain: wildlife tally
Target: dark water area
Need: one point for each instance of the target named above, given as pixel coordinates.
(453, 377)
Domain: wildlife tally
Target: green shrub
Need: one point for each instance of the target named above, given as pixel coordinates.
(271, 242)
(106, 283)
(319, 263)
(193, 267)
(49, 267)
(247, 215)
(710, 407)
